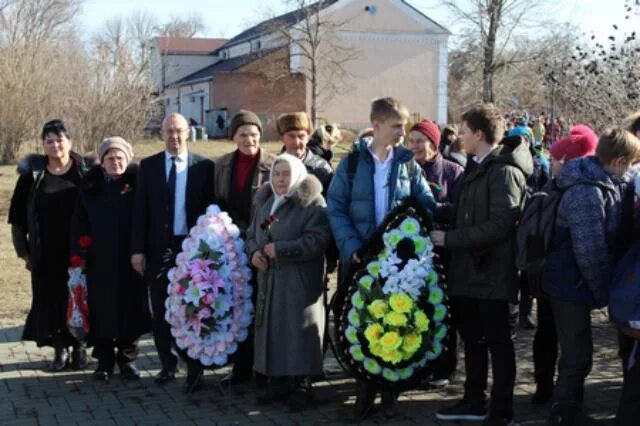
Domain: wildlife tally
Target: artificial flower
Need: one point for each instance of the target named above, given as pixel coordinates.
(390, 375)
(392, 238)
(357, 301)
(373, 268)
(401, 303)
(76, 262)
(393, 356)
(378, 308)
(372, 366)
(410, 227)
(366, 282)
(373, 332)
(84, 241)
(411, 342)
(351, 334)
(395, 319)
(436, 295)
(354, 318)
(420, 320)
(356, 352)
(390, 340)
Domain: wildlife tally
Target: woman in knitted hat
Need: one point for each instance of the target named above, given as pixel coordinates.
(286, 243)
(443, 177)
(40, 218)
(118, 308)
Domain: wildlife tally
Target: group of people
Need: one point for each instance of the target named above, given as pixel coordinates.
(297, 214)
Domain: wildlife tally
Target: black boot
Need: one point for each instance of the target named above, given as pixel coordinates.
(60, 359)
(279, 389)
(79, 356)
(390, 404)
(544, 392)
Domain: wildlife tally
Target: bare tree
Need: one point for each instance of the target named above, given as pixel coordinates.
(186, 27)
(492, 23)
(316, 49)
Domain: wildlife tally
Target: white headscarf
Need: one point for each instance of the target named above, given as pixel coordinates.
(298, 174)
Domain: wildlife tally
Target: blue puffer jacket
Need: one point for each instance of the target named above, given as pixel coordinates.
(579, 267)
(352, 210)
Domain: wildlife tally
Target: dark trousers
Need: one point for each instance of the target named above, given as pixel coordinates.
(573, 325)
(545, 345)
(629, 409)
(161, 329)
(105, 352)
(484, 327)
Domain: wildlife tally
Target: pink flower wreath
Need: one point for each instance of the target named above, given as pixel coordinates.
(209, 305)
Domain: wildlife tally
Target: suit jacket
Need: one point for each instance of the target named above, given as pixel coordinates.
(150, 231)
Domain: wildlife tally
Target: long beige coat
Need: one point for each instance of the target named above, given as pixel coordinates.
(290, 313)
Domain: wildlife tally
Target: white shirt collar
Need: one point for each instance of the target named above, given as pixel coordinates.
(375, 157)
(180, 157)
(479, 160)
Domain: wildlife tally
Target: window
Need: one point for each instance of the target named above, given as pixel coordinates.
(256, 45)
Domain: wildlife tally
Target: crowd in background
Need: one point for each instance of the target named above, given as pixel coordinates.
(473, 180)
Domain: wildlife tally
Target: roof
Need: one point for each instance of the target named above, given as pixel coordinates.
(189, 46)
(288, 19)
(444, 30)
(223, 66)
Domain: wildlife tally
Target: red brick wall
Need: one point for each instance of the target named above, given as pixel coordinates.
(263, 88)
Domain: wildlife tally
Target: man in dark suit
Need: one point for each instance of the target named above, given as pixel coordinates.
(174, 189)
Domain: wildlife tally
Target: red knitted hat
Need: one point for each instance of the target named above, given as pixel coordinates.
(580, 142)
(429, 129)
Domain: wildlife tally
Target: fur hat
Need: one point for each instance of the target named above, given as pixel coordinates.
(115, 142)
(241, 118)
(580, 142)
(294, 121)
(429, 129)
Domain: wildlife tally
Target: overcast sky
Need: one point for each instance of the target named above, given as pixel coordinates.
(225, 18)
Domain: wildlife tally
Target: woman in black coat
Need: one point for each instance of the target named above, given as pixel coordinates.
(118, 308)
(40, 216)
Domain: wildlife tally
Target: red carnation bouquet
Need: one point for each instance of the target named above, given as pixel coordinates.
(78, 307)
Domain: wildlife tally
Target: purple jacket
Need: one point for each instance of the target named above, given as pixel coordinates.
(443, 177)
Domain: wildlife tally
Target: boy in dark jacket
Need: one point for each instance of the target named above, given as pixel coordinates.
(577, 272)
(482, 277)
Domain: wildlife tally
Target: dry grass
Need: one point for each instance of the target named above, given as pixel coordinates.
(15, 282)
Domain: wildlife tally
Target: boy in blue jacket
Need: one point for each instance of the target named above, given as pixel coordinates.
(384, 176)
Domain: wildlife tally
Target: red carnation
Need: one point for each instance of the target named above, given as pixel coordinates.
(76, 261)
(85, 241)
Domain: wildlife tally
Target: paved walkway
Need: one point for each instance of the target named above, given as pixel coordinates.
(31, 396)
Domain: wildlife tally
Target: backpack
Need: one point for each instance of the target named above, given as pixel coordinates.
(534, 235)
(624, 295)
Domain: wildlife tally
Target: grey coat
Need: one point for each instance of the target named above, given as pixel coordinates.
(290, 313)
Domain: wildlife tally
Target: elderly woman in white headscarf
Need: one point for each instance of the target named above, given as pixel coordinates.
(286, 242)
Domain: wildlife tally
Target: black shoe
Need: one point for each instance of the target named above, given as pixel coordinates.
(60, 359)
(301, 399)
(566, 414)
(543, 395)
(195, 379)
(102, 375)
(129, 372)
(165, 376)
(389, 404)
(497, 421)
(463, 410)
(234, 379)
(274, 393)
(79, 359)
